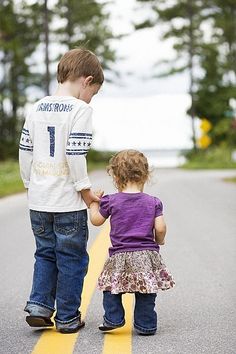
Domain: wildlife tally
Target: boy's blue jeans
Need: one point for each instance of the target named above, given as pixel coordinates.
(61, 263)
(145, 317)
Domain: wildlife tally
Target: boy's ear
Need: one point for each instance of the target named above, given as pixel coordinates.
(88, 80)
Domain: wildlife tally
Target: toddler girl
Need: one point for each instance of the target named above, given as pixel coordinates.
(137, 229)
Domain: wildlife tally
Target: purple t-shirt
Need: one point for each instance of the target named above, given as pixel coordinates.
(132, 220)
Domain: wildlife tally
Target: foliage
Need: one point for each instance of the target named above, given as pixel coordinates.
(218, 84)
(216, 157)
(204, 40)
(24, 29)
(99, 156)
(85, 24)
(183, 19)
(230, 179)
(17, 43)
(10, 181)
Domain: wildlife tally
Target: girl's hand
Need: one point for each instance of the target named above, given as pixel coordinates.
(99, 193)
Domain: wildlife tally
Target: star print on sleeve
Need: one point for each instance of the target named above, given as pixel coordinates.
(25, 141)
(78, 143)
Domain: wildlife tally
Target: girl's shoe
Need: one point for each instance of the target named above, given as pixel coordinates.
(39, 321)
(104, 327)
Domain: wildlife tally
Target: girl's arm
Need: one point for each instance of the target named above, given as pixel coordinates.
(160, 230)
(95, 216)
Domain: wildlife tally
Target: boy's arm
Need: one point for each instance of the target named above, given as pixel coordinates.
(95, 217)
(25, 155)
(89, 196)
(78, 144)
(160, 230)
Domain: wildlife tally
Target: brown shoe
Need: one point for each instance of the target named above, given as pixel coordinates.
(39, 321)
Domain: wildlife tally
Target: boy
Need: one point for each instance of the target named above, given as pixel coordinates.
(55, 139)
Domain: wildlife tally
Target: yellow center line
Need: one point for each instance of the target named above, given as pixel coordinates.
(119, 341)
(52, 342)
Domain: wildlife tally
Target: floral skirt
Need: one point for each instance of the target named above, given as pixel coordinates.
(137, 271)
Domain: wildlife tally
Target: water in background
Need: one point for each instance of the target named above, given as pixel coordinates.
(168, 158)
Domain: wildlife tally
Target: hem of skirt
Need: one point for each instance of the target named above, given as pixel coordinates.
(123, 291)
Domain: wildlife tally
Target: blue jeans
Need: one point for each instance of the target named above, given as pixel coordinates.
(61, 263)
(145, 317)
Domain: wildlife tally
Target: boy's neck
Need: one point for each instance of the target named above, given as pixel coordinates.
(67, 88)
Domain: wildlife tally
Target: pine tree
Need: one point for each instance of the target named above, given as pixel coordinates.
(218, 84)
(86, 24)
(18, 40)
(223, 14)
(204, 34)
(23, 26)
(184, 19)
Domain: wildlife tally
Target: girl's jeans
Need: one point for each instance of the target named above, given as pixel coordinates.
(145, 317)
(61, 262)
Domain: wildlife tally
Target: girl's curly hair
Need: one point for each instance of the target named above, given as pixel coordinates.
(128, 166)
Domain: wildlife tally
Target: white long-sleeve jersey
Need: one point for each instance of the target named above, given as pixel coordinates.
(55, 139)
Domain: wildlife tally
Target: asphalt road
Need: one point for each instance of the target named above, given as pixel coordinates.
(197, 316)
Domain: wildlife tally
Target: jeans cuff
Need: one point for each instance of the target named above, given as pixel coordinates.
(114, 324)
(73, 323)
(144, 330)
(35, 308)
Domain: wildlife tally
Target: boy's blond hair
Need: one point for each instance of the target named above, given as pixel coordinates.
(77, 63)
(128, 166)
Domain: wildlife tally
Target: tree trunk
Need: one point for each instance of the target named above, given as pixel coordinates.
(191, 55)
(47, 62)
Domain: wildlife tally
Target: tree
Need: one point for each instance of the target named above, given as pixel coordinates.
(18, 40)
(217, 86)
(223, 14)
(86, 24)
(204, 36)
(46, 36)
(184, 19)
(24, 25)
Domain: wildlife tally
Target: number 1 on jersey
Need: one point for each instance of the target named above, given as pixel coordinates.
(51, 131)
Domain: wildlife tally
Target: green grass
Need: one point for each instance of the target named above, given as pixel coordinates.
(212, 158)
(96, 165)
(230, 179)
(10, 181)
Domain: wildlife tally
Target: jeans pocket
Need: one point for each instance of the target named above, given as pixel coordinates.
(37, 222)
(67, 223)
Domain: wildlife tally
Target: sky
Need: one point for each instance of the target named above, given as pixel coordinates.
(136, 111)
(148, 122)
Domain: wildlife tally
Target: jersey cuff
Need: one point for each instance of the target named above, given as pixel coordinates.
(83, 184)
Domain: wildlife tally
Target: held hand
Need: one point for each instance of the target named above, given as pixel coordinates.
(89, 196)
(99, 193)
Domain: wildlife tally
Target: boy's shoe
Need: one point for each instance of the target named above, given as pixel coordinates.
(71, 330)
(104, 327)
(39, 321)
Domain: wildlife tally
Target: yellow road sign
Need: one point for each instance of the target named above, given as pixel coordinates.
(205, 125)
(204, 141)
